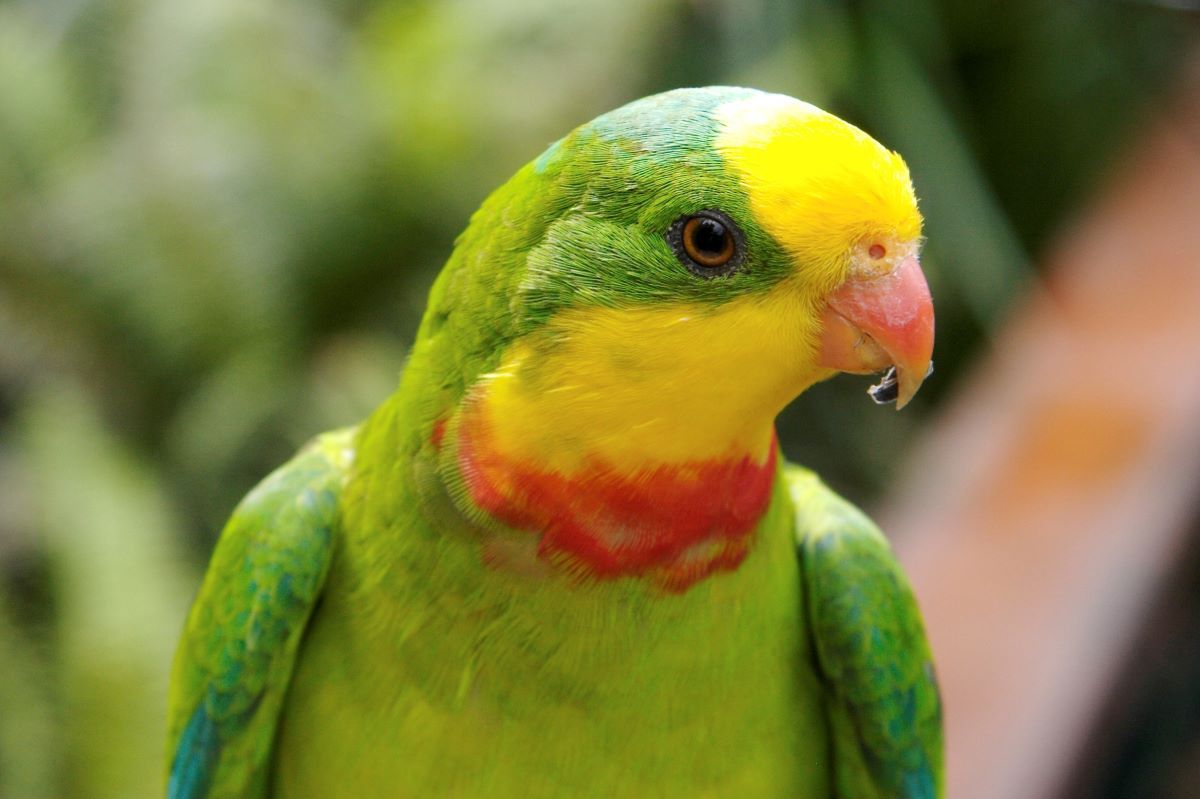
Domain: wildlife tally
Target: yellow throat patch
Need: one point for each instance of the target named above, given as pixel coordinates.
(667, 384)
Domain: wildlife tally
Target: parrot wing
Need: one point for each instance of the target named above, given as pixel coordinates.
(883, 705)
(235, 661)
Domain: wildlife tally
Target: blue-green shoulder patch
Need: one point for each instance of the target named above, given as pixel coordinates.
(236, 656)
(884, 711)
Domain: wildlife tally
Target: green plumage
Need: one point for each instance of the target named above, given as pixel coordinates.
(351, 639)
(882, 694)
(238, 652)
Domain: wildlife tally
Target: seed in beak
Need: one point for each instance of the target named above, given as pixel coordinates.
(888, 389)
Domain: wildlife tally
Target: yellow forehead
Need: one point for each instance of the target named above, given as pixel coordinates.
(817, 184)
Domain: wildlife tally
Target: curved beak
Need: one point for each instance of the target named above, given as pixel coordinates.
(877, 321)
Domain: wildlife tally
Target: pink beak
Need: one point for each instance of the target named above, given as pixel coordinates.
(879, 321)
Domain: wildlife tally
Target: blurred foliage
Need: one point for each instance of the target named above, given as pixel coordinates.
(220, 219)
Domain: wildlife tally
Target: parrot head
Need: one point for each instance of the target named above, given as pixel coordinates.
(655, 288)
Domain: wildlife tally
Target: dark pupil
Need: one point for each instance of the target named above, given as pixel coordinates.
(709, 237)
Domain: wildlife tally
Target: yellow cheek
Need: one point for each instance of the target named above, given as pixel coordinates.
(667, 384)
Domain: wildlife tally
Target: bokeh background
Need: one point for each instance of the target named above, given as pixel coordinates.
(219, 220)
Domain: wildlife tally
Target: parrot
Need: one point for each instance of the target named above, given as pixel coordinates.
(567, 557)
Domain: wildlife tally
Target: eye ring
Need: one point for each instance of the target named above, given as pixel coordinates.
(708, 243)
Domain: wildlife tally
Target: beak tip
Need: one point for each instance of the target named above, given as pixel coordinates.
(910, 381)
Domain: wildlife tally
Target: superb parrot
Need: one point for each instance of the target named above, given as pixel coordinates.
(565, 558)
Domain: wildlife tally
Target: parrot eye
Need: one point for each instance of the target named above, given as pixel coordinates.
(708, 243)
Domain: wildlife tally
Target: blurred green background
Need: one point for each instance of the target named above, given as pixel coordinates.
(219, 221)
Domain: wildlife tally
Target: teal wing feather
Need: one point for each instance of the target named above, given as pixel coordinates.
(235, 660)
(883, 705)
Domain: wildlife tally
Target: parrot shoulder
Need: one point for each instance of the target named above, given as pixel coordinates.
(235, 659)
(883, 704)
